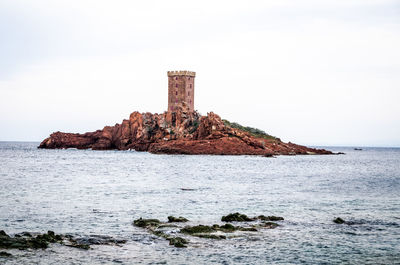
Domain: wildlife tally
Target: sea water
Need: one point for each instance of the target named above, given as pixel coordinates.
(85, 192)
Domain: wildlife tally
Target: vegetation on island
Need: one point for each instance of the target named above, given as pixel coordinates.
(252, 131)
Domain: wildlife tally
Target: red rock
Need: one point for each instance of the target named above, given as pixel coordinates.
(179, 132)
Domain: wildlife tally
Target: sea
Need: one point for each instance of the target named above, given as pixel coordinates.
(85, 193)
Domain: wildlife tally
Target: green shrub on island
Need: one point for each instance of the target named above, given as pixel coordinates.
(252, 131)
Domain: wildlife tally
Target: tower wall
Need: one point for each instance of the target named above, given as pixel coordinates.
(180, 89)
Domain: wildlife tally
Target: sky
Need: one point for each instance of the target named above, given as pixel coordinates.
(308, 71)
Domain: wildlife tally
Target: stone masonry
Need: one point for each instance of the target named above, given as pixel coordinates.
(180, 89)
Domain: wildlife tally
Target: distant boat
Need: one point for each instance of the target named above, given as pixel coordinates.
(358, 149)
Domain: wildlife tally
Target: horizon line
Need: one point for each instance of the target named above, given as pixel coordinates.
(308, 145)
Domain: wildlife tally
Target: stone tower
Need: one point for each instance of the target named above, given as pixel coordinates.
(180, 89)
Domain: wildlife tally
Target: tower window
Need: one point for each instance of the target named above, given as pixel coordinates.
(176, 93)
(188, 93)
(176, 85)
(190, 85)
(176, 78)
(189, 78)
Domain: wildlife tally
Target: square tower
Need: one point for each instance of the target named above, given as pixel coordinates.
(180, 89)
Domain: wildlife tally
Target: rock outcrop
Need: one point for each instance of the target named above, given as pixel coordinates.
(179, 132)
(186, 233)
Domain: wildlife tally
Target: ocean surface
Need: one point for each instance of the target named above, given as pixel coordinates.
(85, 192)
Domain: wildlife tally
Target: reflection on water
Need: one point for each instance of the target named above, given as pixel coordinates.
(84, 192)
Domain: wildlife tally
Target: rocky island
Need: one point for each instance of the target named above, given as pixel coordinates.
(180, 130)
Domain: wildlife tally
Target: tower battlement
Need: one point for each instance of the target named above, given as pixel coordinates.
(181, 73)
(180, 89)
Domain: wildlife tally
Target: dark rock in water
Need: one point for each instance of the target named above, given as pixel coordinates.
(157, 228)
(39, 242)
(98, 240)
(153, 226)
(339, 220)
(227, 228)
(270, 218)
(146, 222)
(358, 149)
(5, 254)
(236, 217)
(86, 242)
(25, 240)
(340, 153)
(178, 242)
(180, 219)
(50, 237)
(198, 229)
(159, 233)
(205, 230)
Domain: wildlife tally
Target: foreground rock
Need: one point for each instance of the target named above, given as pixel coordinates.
(174, 233)
(180, 132)
(238, 217)
(28, 240)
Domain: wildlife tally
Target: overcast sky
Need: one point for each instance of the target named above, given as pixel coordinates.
(308, 71)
